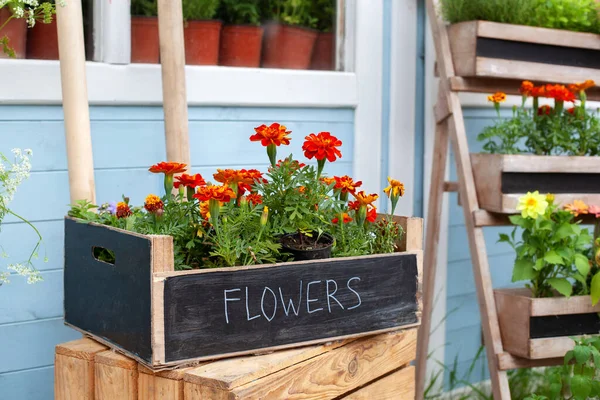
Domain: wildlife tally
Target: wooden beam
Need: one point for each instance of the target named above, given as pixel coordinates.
(451, 187)
(507, 362)
(76, 109)
(172, 59)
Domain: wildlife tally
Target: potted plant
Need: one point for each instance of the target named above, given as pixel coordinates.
(559, 259)
(289, 35)
(241, 38)
(204, 273)
(42, 39)
(323, 57)
(201, 32)
(542, 41)
(13, 34)
(552, 148)
(144, 32)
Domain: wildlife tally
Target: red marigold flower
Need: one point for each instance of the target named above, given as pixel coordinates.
(321, 146)
(559, 93)
(254, 199)
(346, 184)
(153, 203)
(220, 193)
(372, 214)
(244, 179)
(191, 181)
(364, 199)
(346, 219)
(571, 110)
(539, 91)
(168, 168)
(545, 110)
(353, 205)
(275, 134)
(123, 210)
(204, 210)
(526, 88)
(328, 181)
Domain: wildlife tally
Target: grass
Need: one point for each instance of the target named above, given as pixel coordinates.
(573, 15)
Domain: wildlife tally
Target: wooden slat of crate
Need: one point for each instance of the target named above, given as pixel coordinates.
(116, 377)
(161, 385)
(397, 385)
(326, 376)
(74, 369)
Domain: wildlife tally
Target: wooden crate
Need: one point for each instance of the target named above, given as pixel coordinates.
(496, 50)
(162, 318)
(500, 179)
(374, 367)
(538, 328)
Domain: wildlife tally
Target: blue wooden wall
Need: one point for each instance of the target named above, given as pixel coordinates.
(463, 325)
(126, 141)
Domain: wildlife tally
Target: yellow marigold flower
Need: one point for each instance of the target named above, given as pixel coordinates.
(396, 188)
(532, 205)
(498, 97)
(578, 207)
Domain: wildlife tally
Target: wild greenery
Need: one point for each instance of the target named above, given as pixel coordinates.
(573, 15)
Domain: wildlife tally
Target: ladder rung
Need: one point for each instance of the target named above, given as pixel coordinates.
(486, 218)
(507, 361)
(450, 186)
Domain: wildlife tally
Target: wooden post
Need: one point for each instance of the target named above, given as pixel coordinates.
(172, 58)
(75, 101)
(74, 369)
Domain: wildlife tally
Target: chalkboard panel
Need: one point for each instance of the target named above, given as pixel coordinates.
(522, 182)
(564, 325)
(539, 53)
(231, 311)
(109, 301)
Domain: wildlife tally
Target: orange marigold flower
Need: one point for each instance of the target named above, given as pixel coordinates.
(168, 168)
(578, 207)
(191, 181)
(123, 210)
(498, 97)
(539, 91)
(526, 88)
(372, 214)
(220, 193)
(301, 189)
(396, 188)
(581, 87)
(345, 219)
(559, 93)
(364, 199)
(321, 146)
(254, 199)
(204, 210)
(328, 181)
(275, 134)
(244, 179)
(545, 110)
(153, 203)
(346, 184)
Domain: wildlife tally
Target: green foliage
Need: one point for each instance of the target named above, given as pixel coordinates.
(551, 253)
(240, 12)
(292, 12)
(574, 133)
(324, 12)
(33, 12)
(199, 9)
(144, 8)
(574, 15)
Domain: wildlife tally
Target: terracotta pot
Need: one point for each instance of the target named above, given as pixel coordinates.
(16, 31)
(144, 40)
(42, 41)
(241, 45)
(287, 46)
(323, 57)
(201, 40)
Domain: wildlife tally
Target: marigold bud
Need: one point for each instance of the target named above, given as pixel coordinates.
(265, 216)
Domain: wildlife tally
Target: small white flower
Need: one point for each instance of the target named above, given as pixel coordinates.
(4, 278)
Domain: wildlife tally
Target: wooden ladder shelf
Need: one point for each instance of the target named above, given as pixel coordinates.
(450, 127)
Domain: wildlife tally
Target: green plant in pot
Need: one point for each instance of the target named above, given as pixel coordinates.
(201, 32)
(241, 37)
(290, 34)
(144, 31)
(323, 57)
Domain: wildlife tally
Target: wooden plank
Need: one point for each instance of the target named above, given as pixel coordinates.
(336, 372)
(514, 318)
(533, 163)
(233, 372)
(158, 321)
(463, 42)
(550, 306)
(550, 347)
(163, 259)
(487, 174)
(163, 385)
(116, 377)
(412, 240)
(172, 60)
(531, 34)
(507, 361)
(398, 385)
(451, 187)
(74, 369)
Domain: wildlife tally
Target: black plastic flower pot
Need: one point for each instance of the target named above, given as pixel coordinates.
(297, 246)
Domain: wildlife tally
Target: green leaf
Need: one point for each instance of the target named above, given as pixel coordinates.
(516, 220)
(552, 257)
(555, 389)
(582, 354)
(569, 356)
(561, 285)
(581, 387)
(539, 264)
(503, 238)
(523, 271)
(582, 264)
(595, 289)
(595, 389)
(563, 231)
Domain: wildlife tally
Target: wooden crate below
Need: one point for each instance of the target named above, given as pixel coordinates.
(374, 367)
